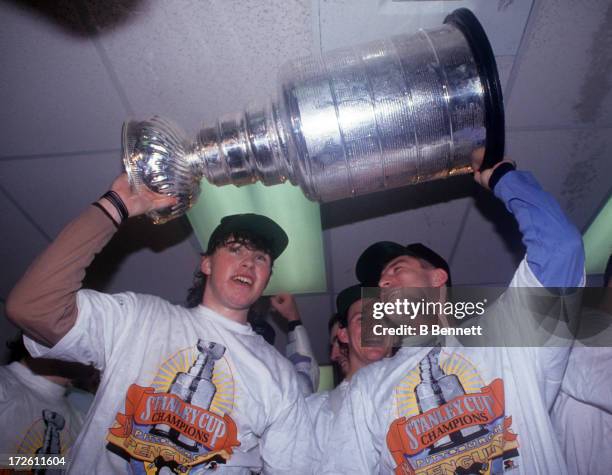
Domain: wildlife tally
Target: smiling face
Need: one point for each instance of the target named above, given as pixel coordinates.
(360, 356)
(413, 279)
(237, 274)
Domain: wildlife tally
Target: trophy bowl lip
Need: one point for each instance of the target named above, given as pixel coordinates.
(467, 23)
(125, 153)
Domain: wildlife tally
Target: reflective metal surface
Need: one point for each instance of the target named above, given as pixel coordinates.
(157, 155)
(390, 113)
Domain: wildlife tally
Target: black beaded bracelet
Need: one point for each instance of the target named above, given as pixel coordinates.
(108, 215)
(499, 172)
(114, 199)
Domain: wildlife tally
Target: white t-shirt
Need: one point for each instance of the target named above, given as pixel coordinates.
(182, 387)
(31, 407)
(493, 419)
(582, 413)
(323, 407)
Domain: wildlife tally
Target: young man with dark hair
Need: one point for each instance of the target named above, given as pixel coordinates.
(450, 409)
(182, 389)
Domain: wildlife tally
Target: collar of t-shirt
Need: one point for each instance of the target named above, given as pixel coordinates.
(40, 384)
(227, 323)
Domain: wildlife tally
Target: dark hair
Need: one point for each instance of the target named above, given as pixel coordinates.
(17, 349)
(196, 291)
(252, 241)
(608, 272)
(335, 318)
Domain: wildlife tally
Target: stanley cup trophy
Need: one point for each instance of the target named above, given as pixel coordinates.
(437, 388)
(194, 387)
(52, 444)
(390, 113)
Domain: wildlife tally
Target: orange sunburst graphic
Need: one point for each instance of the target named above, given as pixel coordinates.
(181, 361)
(451, 363)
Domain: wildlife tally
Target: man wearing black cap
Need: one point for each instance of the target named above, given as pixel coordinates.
(181, 389)
(450, 409)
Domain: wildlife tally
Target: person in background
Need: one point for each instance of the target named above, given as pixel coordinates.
(35, 414)
(299, 349)
(338, 351)
(350, 305)
(582, 413)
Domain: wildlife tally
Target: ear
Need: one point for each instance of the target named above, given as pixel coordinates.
(439, 277)
(205, 265)
(342, 336)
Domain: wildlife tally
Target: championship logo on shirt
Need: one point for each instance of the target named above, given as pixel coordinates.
(46, 435)
(450, 422)
(181, 421)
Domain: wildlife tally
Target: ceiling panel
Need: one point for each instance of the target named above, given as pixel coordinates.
(575, 166)
(55, 189)
(204, 59)
(503, 21)
(21, 242)
(56, 95)
(564, 75)
(143, 257)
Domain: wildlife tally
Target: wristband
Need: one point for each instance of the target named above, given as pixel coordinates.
(499, 172)
(293, 324)
(113, 198)
(101, 208)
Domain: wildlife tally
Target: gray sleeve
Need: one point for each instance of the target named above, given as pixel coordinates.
(299, 352)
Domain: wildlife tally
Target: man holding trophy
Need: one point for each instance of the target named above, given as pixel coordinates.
(438, 406)
(163, 400)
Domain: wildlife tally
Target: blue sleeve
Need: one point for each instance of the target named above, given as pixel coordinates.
(555, 253)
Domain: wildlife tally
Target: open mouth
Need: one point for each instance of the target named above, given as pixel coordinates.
(243, 280)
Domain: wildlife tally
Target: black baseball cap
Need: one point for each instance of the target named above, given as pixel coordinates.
(373, 260)
(275, 238)
(344, 300)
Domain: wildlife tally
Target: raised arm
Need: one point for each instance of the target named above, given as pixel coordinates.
(299, 350)
(43, 303)
(555, 253)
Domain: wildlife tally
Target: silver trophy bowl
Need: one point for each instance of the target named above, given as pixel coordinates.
(390, 113)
